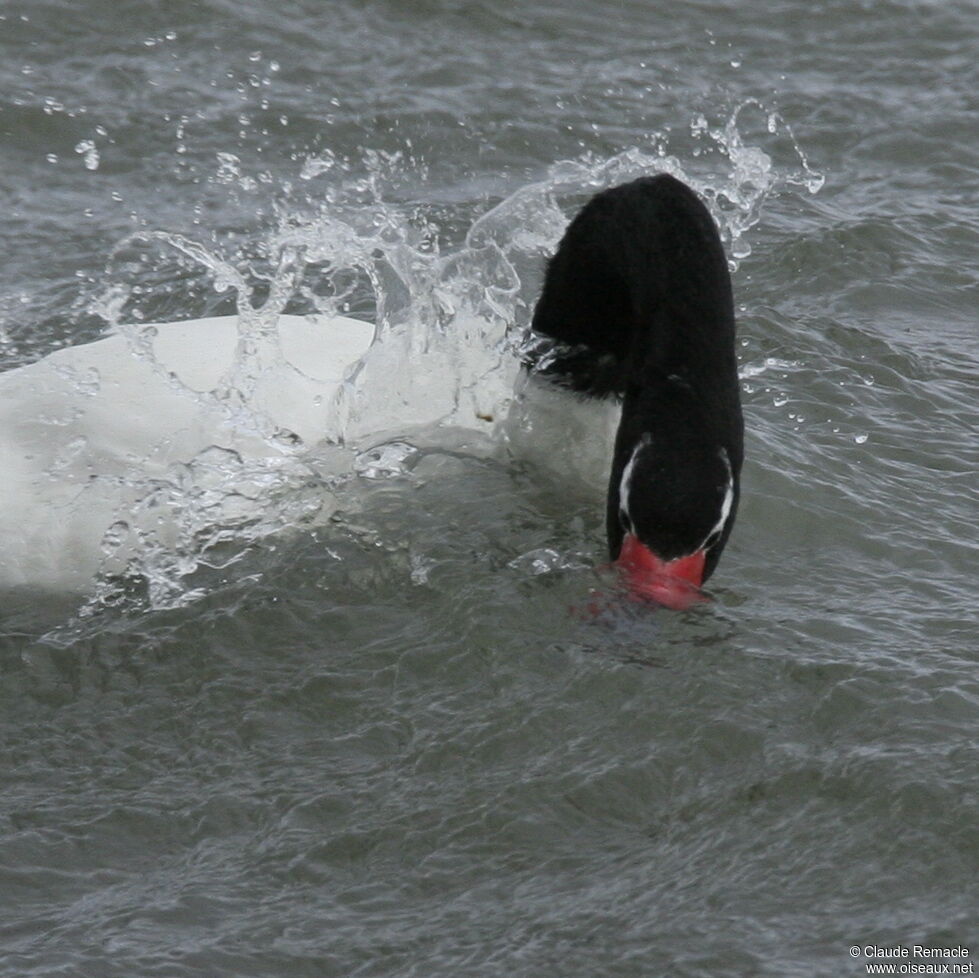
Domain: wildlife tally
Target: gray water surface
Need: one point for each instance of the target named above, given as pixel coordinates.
(392, 744)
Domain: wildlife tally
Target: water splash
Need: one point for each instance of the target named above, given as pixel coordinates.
(450, 323)
(206, 513)
(736, 202)
(385, 461)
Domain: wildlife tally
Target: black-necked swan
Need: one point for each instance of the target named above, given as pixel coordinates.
(637, 298)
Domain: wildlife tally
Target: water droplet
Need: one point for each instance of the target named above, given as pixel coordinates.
(814, 182)
(90, 153)
(316, 165)
(740, 248)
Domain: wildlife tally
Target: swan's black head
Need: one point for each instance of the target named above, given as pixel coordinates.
(674, 485)
(638, 301)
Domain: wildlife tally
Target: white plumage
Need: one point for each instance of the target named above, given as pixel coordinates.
(85, 430)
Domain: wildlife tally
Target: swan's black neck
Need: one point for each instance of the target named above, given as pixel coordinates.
(638, 299)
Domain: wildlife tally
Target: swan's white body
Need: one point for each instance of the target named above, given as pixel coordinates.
(77, 426)
(140, 442)
(566, 436)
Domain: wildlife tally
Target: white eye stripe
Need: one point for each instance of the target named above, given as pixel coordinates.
(726, 505)
(626, 480)
(625, 485)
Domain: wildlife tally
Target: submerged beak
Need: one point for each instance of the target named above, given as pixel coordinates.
(671, 583)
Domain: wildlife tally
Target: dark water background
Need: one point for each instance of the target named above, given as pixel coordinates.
(383, 747)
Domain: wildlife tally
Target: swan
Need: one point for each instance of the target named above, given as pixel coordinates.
(634, 328)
